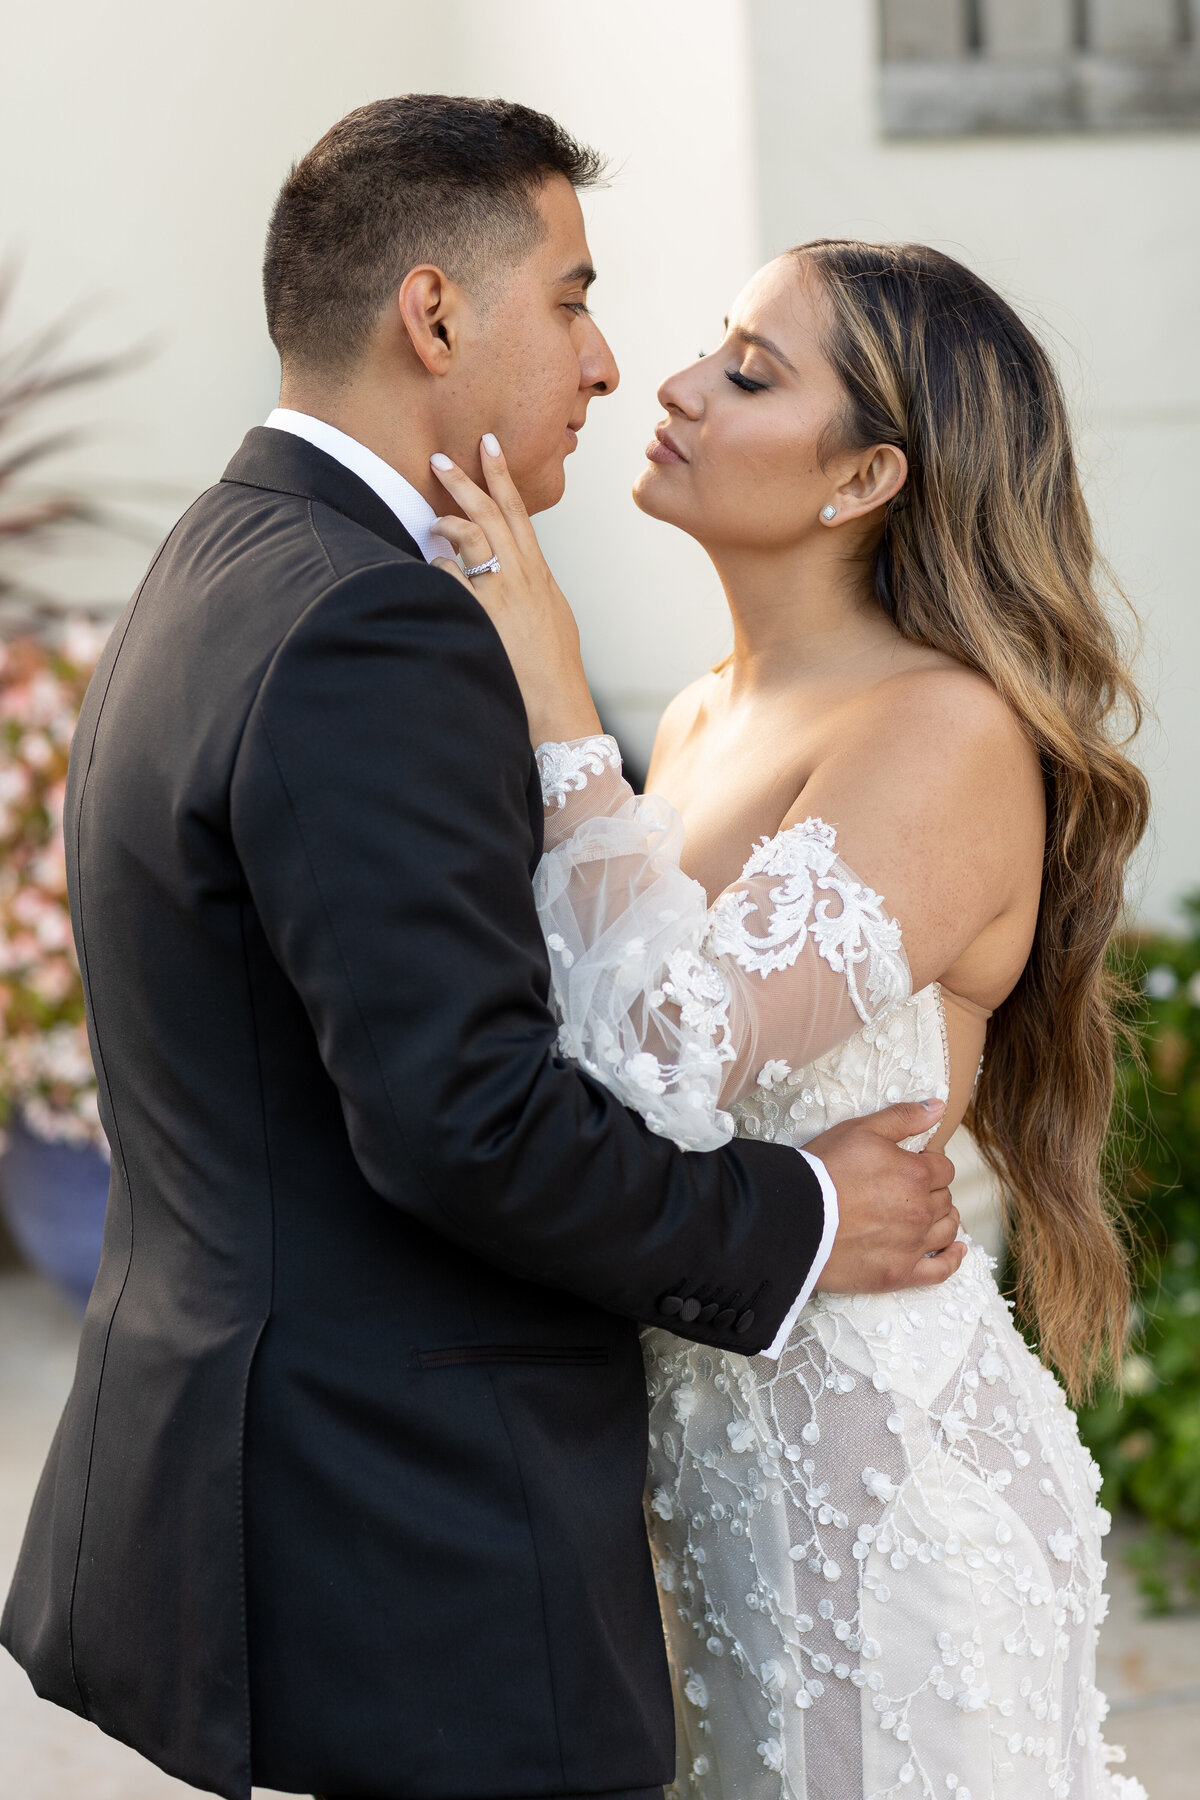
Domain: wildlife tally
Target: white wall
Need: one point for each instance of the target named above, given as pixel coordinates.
(1095, 239)
(141, 145)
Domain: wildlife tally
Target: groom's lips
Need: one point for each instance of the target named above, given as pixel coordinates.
(664, 449)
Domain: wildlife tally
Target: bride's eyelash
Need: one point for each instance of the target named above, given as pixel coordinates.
(744, 382)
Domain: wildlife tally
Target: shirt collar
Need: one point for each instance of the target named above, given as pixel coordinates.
(412, 509)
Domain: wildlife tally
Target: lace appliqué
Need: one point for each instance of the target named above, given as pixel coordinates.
(892, 1531)
(699, 991)
(844, 1521)
(806, 859)
(655, 1086)
(899, 1055)
(566, 768)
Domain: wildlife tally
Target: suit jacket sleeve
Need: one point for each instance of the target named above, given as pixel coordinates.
(381, 812)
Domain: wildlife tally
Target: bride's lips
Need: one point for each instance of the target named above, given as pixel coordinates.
(664, 449)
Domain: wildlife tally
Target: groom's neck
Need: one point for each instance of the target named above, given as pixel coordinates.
(390, 422)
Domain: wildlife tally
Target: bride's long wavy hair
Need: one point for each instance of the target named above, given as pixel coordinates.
(988, 554)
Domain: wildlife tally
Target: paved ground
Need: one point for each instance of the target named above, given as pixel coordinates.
(1150, 1667)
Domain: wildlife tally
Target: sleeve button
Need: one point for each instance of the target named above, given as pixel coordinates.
(689, 1310)
(708, 1313)
(724, 1320)
(670, 1306)
(745, 1322)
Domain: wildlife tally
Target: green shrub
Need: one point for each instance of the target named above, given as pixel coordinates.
(1147, 1441)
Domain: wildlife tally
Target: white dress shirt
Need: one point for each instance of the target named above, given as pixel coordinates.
(412, 509)
(418, 519)
(824, 1249)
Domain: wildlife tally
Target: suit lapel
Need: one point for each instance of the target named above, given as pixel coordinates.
(284, 464)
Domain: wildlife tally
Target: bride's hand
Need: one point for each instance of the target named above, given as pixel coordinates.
(522, 599)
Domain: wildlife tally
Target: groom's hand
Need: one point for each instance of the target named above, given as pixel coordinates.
(896, 1221)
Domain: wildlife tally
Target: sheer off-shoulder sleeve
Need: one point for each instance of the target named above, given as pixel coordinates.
(680, 1007)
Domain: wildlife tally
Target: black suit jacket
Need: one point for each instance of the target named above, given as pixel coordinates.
(347, 1492)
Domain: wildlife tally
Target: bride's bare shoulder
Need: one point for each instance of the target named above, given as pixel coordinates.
(936, 745)
(936, 791)
(940, 705)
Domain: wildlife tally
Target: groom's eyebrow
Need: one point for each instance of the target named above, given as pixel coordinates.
(582, 275)
(763, 343)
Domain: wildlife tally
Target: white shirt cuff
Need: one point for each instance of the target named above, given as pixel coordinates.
(824, 1249)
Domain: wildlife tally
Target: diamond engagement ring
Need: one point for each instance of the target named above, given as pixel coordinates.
(491, 567)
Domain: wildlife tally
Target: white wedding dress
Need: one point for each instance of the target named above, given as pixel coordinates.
(879, 1557)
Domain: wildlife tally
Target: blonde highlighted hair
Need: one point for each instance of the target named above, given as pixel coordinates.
(988, 554)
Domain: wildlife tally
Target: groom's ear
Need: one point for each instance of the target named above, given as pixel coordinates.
(430, 306)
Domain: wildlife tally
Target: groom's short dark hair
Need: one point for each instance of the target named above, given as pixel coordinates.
(419, 178)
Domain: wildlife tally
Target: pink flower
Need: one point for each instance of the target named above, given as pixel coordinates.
(82, 642)
(45, 1066)
(53, 980)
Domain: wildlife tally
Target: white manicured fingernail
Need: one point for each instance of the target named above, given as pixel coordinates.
(441, 462)
(491, 444)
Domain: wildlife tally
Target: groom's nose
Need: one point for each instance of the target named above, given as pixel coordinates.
(598, 371)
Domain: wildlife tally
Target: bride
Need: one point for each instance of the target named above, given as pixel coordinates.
(881, 857)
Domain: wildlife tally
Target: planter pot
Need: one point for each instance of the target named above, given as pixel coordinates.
(54, 1197)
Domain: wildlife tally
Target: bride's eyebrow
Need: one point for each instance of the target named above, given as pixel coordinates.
(762, 343)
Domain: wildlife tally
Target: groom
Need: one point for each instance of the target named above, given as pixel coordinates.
(346, 1496)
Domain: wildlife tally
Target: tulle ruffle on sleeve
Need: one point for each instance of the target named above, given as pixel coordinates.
(680, 1007)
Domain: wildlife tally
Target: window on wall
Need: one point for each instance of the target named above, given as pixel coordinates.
(963, 66)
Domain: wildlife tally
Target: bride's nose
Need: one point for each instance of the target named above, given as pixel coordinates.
(681, 394)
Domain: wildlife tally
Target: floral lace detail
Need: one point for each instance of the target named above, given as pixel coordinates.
(675, 1097)
(899, 1055)
(699, 991)
(806, 859)
(892, 1531)
(565, 768)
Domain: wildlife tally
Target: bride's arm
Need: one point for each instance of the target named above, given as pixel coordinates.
(521, 597)
(678, 1007)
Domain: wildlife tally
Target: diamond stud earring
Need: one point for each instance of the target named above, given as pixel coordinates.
(829, 512)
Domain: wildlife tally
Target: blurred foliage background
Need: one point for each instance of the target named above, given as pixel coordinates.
(1146, 1438)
